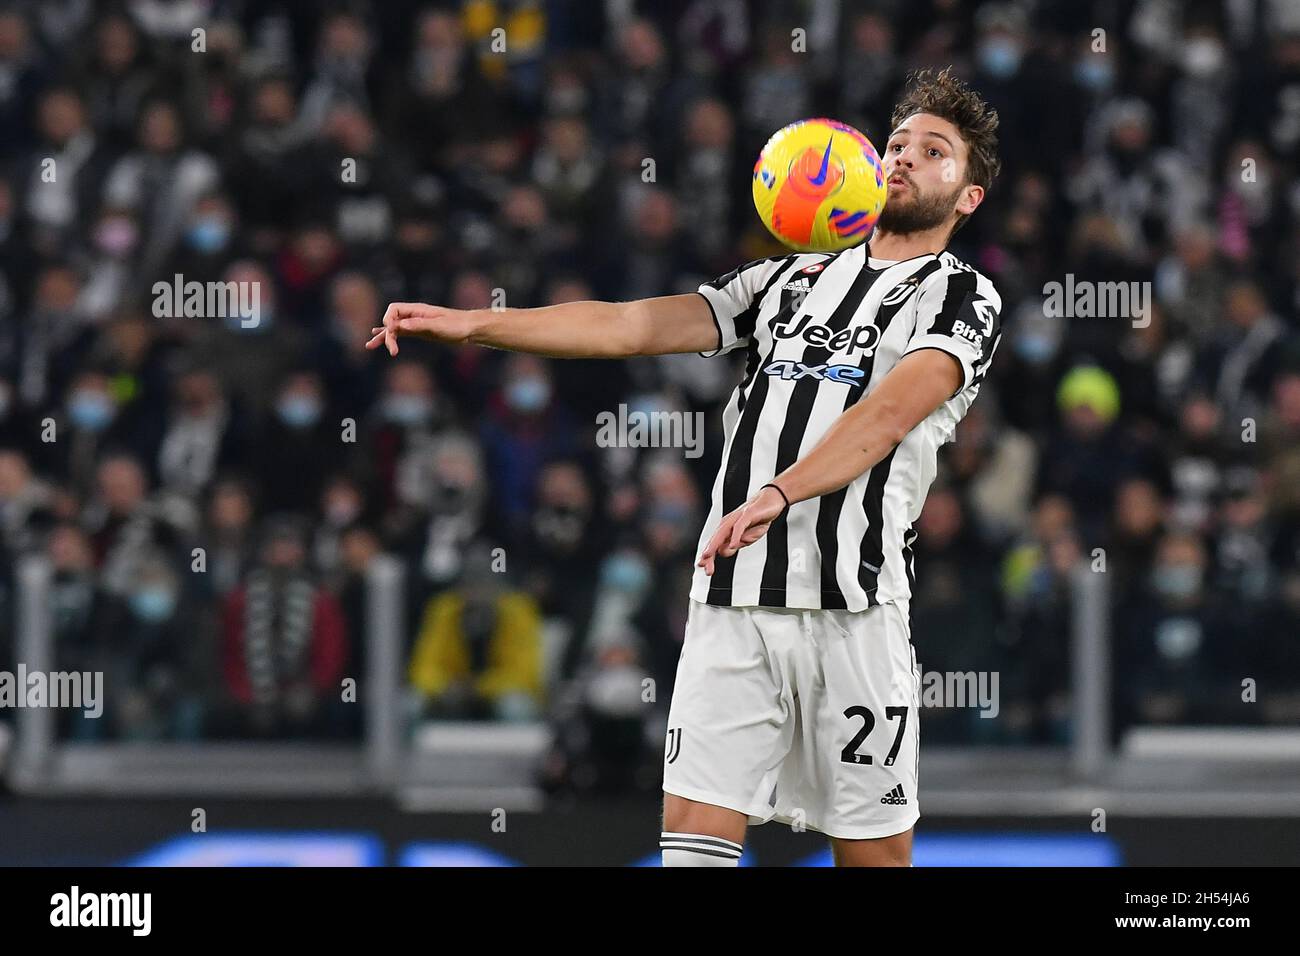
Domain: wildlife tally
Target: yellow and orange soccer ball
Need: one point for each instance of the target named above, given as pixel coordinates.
(819, 186)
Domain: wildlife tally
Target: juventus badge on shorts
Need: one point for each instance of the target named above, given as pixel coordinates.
(674, 743)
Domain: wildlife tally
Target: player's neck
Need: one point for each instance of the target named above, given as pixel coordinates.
(908, 245)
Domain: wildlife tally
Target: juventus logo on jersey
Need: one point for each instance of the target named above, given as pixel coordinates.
(674, 743)
(901, 291)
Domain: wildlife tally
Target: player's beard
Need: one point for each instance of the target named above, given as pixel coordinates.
(922, 212)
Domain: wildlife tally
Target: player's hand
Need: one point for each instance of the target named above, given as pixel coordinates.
(432, 322)
(742, 527)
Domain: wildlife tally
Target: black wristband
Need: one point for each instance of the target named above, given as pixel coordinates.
(779, 492)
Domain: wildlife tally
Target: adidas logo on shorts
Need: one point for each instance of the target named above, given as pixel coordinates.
(895, 797)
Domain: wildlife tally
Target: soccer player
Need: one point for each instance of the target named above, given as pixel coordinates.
(798, 693)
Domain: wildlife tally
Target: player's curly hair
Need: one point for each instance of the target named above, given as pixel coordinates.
(944, 95)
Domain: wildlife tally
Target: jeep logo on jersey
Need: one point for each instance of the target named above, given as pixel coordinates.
(864, 337)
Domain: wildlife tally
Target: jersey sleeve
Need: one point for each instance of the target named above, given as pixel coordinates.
(959, 312)
(735, 299)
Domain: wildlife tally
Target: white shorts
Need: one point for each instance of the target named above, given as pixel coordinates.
(807, 717)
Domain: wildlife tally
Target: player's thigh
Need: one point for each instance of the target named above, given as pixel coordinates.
(893, 850)
(729, 722)
(867, 732)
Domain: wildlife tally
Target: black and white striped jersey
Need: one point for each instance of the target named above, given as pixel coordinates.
(820, 331)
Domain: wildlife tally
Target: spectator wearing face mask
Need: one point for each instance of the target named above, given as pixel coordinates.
(478, 654)
(441, 508)
(1181, 648)
(285, 648)
(1032, 366)
(663, 534)
(602, 740)
(623, 588)
(406, 420)
(299, 447)
(208, 243)
(162, 655)
(524, 427)
(111, 267)
(93, 420)
(1009, 74)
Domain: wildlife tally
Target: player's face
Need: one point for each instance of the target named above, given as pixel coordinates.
(925, 167)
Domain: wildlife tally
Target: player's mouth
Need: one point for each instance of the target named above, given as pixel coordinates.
(898, 181)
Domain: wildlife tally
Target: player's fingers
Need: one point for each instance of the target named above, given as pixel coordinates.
(398, 312)
(394, 314)
(390, 339)
(738, 530)
(710, 549)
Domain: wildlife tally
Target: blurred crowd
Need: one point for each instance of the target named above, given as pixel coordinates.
(213, 491)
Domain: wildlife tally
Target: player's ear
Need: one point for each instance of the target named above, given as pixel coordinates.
(970, 200)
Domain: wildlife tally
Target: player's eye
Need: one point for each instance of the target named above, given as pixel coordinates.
(935, 152)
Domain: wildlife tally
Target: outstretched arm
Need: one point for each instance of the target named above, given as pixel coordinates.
(658, 326)
(856, 441)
